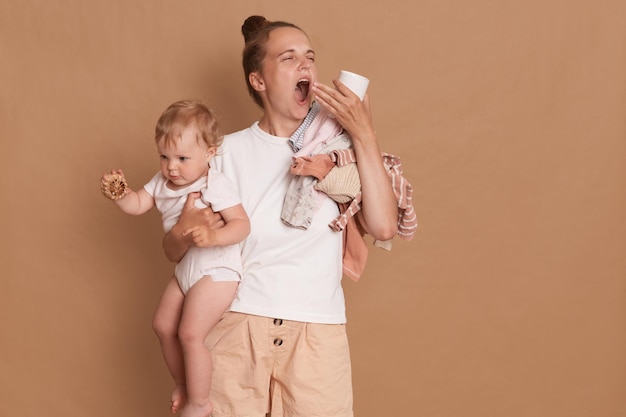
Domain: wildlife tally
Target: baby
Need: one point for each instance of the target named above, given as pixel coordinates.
(206, 279)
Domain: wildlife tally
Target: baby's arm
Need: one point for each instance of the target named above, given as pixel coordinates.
(136, 202)
(236, 229)
(131, 202)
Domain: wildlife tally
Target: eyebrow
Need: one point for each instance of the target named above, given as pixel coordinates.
(292, 50)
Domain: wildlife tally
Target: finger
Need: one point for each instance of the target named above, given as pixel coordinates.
(323, 92)
(208, 214)
(191, 198)
(190, 230)
(337, 94)
(199, 240)
(366, 101)
(343, 89)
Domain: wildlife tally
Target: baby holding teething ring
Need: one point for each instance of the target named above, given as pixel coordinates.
(207, 277)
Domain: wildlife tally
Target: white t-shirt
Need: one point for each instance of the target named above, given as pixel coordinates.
(288, 273)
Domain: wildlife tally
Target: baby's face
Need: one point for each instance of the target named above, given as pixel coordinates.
(186, 159)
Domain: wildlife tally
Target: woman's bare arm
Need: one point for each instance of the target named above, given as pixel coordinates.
(379, 212)
(235, 230)
(176, 242)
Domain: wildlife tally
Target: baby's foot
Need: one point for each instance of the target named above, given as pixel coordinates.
(197, 410)
(179, 398)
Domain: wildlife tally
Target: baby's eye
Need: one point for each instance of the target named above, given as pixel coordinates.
(182, 158)
(163, 157)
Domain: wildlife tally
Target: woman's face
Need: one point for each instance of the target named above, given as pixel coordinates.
(288, 73)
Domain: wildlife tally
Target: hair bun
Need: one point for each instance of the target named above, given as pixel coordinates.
(252, 25)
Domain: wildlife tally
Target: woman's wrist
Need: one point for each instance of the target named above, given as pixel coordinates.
(175, 244)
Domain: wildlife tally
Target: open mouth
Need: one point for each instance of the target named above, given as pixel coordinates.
(302, 90)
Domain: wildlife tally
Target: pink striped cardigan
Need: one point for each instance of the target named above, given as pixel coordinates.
(355, 251)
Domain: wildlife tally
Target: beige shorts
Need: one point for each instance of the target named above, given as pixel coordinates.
(285, 368)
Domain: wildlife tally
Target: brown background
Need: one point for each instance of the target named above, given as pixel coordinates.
(508, 116)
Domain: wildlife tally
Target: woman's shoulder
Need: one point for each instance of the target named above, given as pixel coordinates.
(243, 133)
(239, 141)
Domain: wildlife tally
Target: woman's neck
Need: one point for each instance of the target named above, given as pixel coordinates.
(280, 127)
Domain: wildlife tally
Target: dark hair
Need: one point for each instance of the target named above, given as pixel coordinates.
(256, 31)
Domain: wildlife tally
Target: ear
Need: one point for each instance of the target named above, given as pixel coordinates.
(256, 81)
(210, 153)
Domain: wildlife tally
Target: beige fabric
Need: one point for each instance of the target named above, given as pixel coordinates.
(342, 183)
(255, 358)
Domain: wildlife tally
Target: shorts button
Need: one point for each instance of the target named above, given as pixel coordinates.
(278, 342)
(278, 322)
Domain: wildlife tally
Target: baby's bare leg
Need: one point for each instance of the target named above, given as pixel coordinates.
(204, 305)
(165, 324)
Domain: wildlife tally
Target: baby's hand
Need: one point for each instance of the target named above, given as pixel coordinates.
(113, 172)
(202, 236)
(113, 185)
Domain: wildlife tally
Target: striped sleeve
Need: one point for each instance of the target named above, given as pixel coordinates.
(402, 188)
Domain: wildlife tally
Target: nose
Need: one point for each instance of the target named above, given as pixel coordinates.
(304, 63)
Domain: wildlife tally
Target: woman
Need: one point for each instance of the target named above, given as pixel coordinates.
(282, 348)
